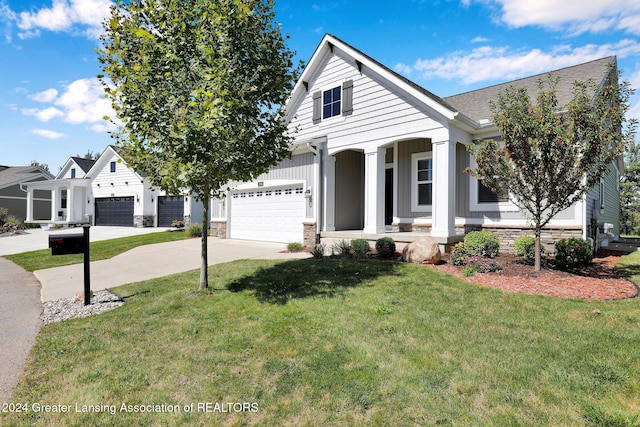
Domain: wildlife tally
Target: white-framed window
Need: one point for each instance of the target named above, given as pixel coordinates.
(482, 199)
(331, 102)
(422, 181)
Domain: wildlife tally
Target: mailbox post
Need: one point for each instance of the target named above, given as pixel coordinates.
(87, 279)
(63, 244)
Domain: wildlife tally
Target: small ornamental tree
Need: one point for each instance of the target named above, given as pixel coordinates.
(552, 154)
(198, 86)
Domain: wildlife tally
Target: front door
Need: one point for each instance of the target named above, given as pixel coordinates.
(388, 196)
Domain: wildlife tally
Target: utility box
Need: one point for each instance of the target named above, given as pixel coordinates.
(64, 244)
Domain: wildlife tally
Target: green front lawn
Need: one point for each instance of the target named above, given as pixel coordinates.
(104, 249)
(335, 342)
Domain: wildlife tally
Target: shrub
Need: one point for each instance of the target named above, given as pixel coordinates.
(386, 247)
(179, 224)
(12, 223)
(3, 213)
(572, 252)
(318, 251)
(483, 265)
(525, 247)
(360, 248)
(458, 255)
(32, 225)
(341, 248)
(294, 247)
(482, 243)
(194, 230)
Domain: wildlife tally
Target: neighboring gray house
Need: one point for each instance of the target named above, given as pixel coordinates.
(14, 197)
(375, 153)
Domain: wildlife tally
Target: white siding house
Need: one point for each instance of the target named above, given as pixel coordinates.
(375, 153)
(108, 192)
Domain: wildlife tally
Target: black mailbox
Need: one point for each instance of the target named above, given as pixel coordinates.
(64, 244)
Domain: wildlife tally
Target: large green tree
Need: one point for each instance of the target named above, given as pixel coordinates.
(630, 191)
(198, 88)
(550, 154)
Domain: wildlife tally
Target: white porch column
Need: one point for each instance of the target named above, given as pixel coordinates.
(54, 204)
(29, 217)
(329, 184)
(444, 189)
(70, 203)
(374, 170)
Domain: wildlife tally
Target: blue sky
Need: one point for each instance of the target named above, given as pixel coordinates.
(51, 105)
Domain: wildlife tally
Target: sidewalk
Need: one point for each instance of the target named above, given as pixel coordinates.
(152, 261)
(20, 310)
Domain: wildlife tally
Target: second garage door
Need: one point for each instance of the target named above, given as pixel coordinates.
(268, 214)
(114, 211)
(170, 208)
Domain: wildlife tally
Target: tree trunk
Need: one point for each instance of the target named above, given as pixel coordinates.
(537, 264)
(204, 267)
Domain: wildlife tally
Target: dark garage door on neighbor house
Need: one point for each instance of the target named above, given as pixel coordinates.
(114, 211)
(170, 208)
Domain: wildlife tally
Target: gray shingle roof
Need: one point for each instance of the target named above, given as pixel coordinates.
(14, 174)
(84, 164)
(475, 104)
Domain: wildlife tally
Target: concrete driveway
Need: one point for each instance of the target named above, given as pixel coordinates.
(152, 261)
(37, 238)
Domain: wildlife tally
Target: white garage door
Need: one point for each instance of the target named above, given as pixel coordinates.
(270, 214)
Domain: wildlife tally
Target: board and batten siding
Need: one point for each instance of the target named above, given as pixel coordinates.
(349, 190)
(381, 113)
(124, 182)
(300, 167)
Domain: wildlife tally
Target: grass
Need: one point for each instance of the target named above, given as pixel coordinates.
(104, 249)
(339, 342)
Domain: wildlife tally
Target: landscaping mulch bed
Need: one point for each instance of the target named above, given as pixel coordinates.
(600, 280)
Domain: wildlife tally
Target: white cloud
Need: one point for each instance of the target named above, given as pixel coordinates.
(479, 39)
(578, 15)
(7, 17)
(43, 115)
(489, 63)
(403, 69)
(45, 96)
(81, 102)
(65, 15)
(49, 134)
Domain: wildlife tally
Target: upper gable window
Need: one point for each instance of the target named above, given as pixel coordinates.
(331, 102)
(73, 172)
(112, 167)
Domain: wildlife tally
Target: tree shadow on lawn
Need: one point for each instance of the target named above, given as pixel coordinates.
(306, 278)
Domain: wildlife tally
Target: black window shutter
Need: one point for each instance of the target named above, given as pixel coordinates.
(317, 107)
(347, 98)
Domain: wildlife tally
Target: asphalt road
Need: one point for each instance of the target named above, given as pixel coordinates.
(20, 310)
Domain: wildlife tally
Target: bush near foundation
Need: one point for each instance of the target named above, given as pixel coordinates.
(482, 244)
(386, 247)
(573, 252)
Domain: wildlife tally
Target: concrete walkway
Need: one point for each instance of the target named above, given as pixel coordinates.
(37, 238)
(152, 261)
(20, 310)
